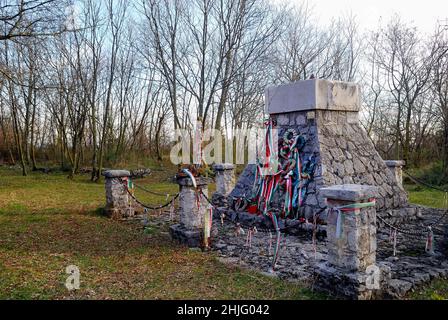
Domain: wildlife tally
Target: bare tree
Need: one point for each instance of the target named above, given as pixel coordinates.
(405, 62)
(117, 15)
(439, 86)
(31, 18)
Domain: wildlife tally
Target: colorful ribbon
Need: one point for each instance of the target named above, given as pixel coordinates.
(348, 208)
(429, 248)
(208, 221)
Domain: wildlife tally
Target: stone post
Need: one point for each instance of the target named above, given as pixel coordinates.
(225, 182)
(352, 253)
(118, 200)
(190, 230)
(396, 166)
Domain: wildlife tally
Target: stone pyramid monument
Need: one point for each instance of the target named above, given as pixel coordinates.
(326, 114)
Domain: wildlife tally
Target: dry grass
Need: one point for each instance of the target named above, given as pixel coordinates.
(48, 222)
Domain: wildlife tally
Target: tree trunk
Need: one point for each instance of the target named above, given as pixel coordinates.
(445, 152)
(225, 90)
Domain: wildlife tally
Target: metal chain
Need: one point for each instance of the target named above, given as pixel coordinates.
(247, 226)
(416, 233)
(427, 227)
(150, 191)
(418, 181)
(145, 205)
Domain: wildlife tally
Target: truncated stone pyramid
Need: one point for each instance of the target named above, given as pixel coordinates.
(326, 113)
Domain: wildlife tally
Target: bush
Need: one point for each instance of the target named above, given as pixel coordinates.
(431, 174)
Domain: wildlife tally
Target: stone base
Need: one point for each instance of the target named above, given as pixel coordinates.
(119, 213)
(444, 244)
(219, 200)
(188, 237)
(400, 215)
(288, 226)
(348, 285)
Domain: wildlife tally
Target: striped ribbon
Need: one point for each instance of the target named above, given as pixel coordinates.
(190, 175)
(171, 210)
(348, 208)
(277, 240)
(429, 248)
(288, 196)
(208, 221)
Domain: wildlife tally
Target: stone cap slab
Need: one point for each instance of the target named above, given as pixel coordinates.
(313, 94)
(349, 192)
(395, 163)
(116, 173)
(223, 166)
(186, 181)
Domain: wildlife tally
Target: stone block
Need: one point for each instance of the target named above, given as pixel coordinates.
(225, 178)
(192, 215)
(223, 166)
(395, 163)
(349, 192)
(313, 94)
(193, 238)
(119, 203)
(395, 167)
(116, 173)
(186, 181)
(342, 283)
(192, 209)
(354, 249)
(301, 119)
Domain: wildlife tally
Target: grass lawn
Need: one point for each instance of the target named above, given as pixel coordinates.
(425, 196)
(438, 289)
(48, 222)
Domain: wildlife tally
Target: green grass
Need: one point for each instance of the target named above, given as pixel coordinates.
(437, 289)
(48, 222)
(425, 196)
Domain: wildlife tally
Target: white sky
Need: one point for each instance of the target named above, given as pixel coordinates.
(422, 13)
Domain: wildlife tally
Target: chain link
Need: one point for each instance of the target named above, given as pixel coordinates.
(146, 206)
(247, 226)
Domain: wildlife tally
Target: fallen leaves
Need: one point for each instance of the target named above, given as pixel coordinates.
(52, 222)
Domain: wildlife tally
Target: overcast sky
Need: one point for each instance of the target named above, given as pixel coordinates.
(423, 13)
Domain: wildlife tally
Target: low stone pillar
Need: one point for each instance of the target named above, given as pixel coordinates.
(225, 177)
(352, 252)
(190, 230)
(225, 182)
(118, 201)
(396, 167)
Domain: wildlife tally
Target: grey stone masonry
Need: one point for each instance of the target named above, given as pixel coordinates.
(191, 212)
(355, 249)
(326, 114)
(118, 202)
(352, 251)
(396, 167)
(225, 178)
(192, 215)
